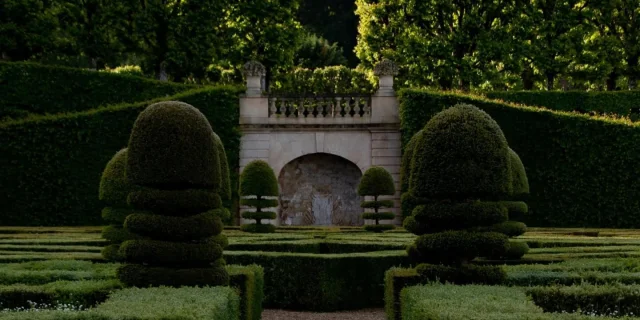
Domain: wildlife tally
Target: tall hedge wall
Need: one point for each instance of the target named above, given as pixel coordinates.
(34, 88)
(583, 171)
(51, 165)
(617, 102)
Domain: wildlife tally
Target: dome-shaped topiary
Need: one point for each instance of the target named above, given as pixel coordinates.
(174, 156)
(407, 158)
(172, 146)
(375, 182)
(462, 154)
(114, 186)
(225, 180)
(258, 181)
(519, 176)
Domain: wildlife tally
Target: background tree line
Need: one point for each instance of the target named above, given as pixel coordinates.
(448, 44)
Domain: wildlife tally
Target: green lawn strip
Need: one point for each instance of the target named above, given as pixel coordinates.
(50, 230)
(582, 249)
(54, 242)
(186, 303)
(578, 255)
(473, 302)
(11, 257)
(84, 293)
(49, 248)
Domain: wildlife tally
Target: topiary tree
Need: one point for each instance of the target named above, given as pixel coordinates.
(407, 202)
(173, 157)
(516, 208)
(258, 181)
(225, 180)
(460, 166)
(377, 181)
(114, 189)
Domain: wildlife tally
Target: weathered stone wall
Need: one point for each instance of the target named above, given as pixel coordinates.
(320, 189)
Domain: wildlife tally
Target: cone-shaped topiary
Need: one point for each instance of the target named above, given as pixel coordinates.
(407, 158)
(225, 190)
(462, 154)
(114, 188)
(519, 176)
(174, 157)
(460, 165)
(375, 182)
(258, 180)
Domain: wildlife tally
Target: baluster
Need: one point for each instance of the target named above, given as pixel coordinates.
(335, 108)
(319, 108)
(356, 107)
(302, 108)
(283, 107)
(273, 108)
(367, 107)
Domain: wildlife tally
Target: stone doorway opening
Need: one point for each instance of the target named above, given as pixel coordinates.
(320, 189)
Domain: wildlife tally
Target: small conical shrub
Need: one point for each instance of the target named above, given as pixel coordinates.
(375, 182)
(460, 167)
(174, 157)
(407, 201)
(258, 182)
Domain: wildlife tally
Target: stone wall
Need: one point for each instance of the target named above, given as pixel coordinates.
(320, 189)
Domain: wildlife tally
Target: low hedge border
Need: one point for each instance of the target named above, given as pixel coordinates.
(396, 279)
(87, 293)
(618, 300)
(337, 281)
(315, 246)
(249, 281)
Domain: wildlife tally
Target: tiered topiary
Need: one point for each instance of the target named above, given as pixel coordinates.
(114, 189)
(516, 208)
(376, 182)
(407, 202)
(258, 181)
(459, 168)
(225, 187)
(173, 156)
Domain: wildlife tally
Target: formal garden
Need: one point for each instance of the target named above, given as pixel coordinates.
(347, 159)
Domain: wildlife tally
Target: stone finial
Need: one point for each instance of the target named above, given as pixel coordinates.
(253, 68)
(385, 67)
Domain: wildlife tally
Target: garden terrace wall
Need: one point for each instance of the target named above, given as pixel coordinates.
(51, 165)
(582, 170)
(39, 89)
(322, 282)
(616, 102)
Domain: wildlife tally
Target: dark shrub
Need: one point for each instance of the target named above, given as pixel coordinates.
(466, 274)
(375, 182)
(225, 187)
(407, 157)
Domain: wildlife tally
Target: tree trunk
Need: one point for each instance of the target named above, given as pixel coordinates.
(632, 67)
(550, 78)
(527, 78)
(161, 71)
(612, 79)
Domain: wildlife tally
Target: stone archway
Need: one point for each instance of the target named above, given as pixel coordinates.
(320, 189)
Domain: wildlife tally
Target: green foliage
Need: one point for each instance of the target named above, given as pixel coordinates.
(377, 204)
(117, 234)
(378, 215)
(130, 70)
(379, 227)
(257, 179)
(456, 247)
(157, 252)
(116, 215)
(516, 250)
(466, 274)
(395, 279)
(249, 282)
(452, 137)
(376, 181)
(114, 187)
(442, 216)
(508, 228)
(87, 293)
(517, 209)
(62, 89)
(258, 228)
(144, 276)
(225, 179)
(328, 80)
(61, 189)
(339, 281)
(260, 203)
(407, 204)
(259, 215)
(317, 246)
(27, 28)
(172, 146)
(112, 253)
(518, 175)
(174, 202)
(316, 52)
(613, 299)
(407, 157)
(50, 271)
(194, 227)
(590, 160)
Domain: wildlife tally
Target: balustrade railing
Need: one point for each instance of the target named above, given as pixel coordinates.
(318, 106)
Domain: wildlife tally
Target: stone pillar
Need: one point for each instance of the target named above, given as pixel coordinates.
(254, 106)
(384, 104)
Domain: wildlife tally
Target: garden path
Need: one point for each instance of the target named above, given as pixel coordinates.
(366, 314)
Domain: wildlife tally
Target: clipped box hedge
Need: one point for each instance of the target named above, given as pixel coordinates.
(582, 170)
(316, 246)
(616, 102)
(322, 282)
(41, 89)
(249, 283)
(51, 165)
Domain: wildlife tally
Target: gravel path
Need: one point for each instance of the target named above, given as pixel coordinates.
(366, 314)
